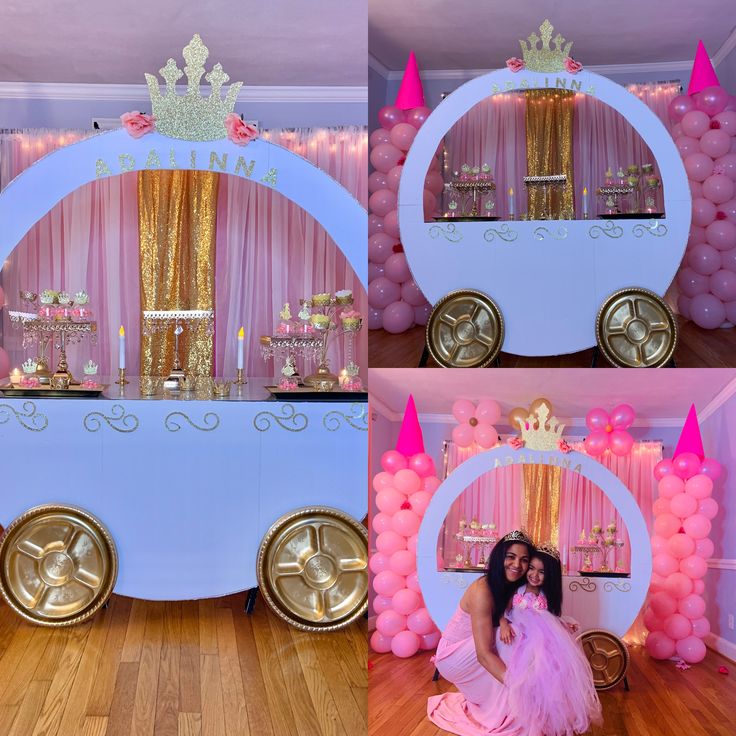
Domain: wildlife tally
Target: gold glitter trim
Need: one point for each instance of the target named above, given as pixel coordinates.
(610, 230)
(36, 422)
(118, 420)
(210, 420)
(654, 227)
(357, 419)
(504, 233)
(541, 232)
(544, 58)
(621, 587)
(585, 584)
(449, 233)
(289, 420)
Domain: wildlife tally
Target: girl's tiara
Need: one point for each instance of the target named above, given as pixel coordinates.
(518, 535)
(549, 549)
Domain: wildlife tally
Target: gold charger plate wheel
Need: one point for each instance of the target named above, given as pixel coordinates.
(465, 330)
(636, 329)
(58, 565)
(607, 655)
(313, 569)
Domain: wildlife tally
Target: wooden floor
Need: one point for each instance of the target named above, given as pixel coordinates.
(696, 348)
(662, 701)
(199, 668)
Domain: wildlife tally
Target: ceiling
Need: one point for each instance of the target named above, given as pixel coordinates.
(467, 34)
(278, 42)
(654, 394)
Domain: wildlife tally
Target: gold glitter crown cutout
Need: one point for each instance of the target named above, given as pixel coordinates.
(548, 434)
(190, 116)
(549, 549)
(518, 535)
(544, 58)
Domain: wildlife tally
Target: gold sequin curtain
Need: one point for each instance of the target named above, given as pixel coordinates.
(176, 224)
(540, 511)
(549, 118)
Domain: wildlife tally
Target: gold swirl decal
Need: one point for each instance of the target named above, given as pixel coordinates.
(289, 419)
(450, 233)
(621, 587)
(541, 232)
(118, 420)
(458, 580)
(357, 419)
(610, 230)
(504, 233)
(653, 227)
(211, 421)
(585, 584)
(28, 418)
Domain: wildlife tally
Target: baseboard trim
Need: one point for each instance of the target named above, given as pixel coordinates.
(722, 646)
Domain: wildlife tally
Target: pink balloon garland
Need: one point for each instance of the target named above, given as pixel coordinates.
(396, 302)
(675, 612)
(403, 491)
(608, 431)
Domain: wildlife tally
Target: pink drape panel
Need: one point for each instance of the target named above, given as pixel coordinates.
(268, 250)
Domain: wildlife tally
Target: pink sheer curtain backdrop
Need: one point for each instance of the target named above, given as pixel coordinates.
(269, 251)
(90, 241)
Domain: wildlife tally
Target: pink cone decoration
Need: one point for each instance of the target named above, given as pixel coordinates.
(676, 607)
(403, 488)
(411, 93)
(703, 74)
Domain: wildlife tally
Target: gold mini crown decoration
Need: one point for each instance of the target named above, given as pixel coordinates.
(544, 58)
(549, 549)
(518, 535)
(548, 433)
(190, 116)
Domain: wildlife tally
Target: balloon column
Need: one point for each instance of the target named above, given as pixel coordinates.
(675, 615)
(608, 431)
(705, 134)
(476, 423)
(396, 302)
(403, 491)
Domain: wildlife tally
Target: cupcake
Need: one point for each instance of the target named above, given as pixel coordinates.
(351, 320)
(344, 296)
(321, 300)
(320, 321)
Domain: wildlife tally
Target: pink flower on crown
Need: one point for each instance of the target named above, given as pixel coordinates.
(516, 65)
(515, 443)
(572, 66)
(562, 446)
(238, 131)
(138, 123)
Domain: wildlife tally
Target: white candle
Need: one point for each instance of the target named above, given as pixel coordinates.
(511, 201)
(241, 340)
(15, 377)
(585, 201)
(121, 364)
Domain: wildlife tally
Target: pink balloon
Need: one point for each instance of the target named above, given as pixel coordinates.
(375, 224)
(421, 314)
(721, 234)
(406, 523)
(656, 583)
(412, 294)
(375, 318)
(697, 235)
(728, 262)
(383, 480)
(379, 562)
(405, 601)
(690, 282)
(382, 292)
(419, 501)
(664, 564)
(715, 143)
(430, 641)
(388, 583)
(381, 522)
(686, 145)
(397, 317)
(384, 200)
(697, 526)
(694, 123)
(422, 464)
(488, 411)
(704, 259)
(407, 481)
(663, 604)
(380, 247)
(686, 465)
(696, 189)
(390, 623)
(694, 567)
(597, 420)
(405, 644)
(683, 504)
(677, 626)
(659, 645)
(412, 582)
(418, 116)
(377, 180)
(463, 410)
(704, 548)
(692, 606)
(718, 188)
(659, 544)
(711, 100)
(678, 585)
(403, 562)
(402, 136)
(389, 542)
(683, 306)
(704, 211)
(707, 311)
(389, 500)
(420, 622)
(701, 627)
(708, 507)
(679, 106)
(670, 486)
(699, 166)
(379, 643)
(621, 442)
(727, 165)
(431, 484)
(434, 182)
(393, 178)
(463, 435)
(692, 649)
(380, 604)
(486, 436)
(663, 468)
(666, 525)
(723, 285)
(411, 542)
(389, 116)
(596, 443)
(727, 121)
(652, 621)
(680, 546)
(385, 156)
(661, 506)
(622, 416)
(677, 131)
(378, 136)
(391, 224)
(397, 268)
(698, 587)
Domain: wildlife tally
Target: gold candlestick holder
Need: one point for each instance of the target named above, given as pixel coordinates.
(239, 380)
(122, 380)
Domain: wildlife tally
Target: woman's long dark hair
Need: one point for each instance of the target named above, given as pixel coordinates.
(552, 585)
(501, 589)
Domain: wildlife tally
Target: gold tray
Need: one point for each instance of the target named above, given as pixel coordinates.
(608, 657)
(307, 393)
(45, 392)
